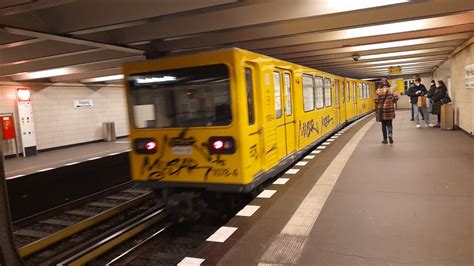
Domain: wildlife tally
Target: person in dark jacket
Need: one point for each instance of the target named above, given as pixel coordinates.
(385, 102)
(438, 95)
(430, 94)
(414, 92)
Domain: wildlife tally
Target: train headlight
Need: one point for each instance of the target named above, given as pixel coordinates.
(145, 145)
(221, 145)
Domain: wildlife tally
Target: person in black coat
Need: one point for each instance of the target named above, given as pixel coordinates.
(414, 92)
(430, 94)
(438, 94)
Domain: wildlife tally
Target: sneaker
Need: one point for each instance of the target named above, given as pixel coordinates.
(418, 126)
(437, 126)
(384, 141)
(390, 139)
(431, 125)
(412, 119)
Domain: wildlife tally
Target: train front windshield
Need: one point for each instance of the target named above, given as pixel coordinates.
(186, 97)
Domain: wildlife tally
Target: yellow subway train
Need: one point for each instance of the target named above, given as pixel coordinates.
(228, 120)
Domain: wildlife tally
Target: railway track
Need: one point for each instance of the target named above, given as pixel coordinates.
(33, 239)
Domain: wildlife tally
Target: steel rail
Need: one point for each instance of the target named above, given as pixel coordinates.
(122, 256)
(55, 237)
(114, 239)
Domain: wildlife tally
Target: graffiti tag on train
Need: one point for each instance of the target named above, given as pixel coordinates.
(157, 168)
(306, 129)
(325, 121)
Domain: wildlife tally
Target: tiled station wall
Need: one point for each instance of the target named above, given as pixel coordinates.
(57, 122)
(463, 98)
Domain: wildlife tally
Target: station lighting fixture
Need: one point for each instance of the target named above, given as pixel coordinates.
(46, 73)
(23, 94)
(103, 78)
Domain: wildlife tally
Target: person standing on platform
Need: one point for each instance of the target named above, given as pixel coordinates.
(429, 95)
(438, 95)
(414, 92)
(385, 102)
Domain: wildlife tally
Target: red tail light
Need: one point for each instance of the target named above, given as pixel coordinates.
(145, 145)
(221, 145)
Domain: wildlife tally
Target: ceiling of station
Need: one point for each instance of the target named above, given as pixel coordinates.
(80, 40)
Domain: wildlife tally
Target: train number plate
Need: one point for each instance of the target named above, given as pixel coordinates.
(182, 150)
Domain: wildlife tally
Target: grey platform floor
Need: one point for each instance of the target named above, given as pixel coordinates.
(56, 158)
(411, 203)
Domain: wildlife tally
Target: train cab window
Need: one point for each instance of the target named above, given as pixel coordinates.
(185, 97)
(319, 92)
(327, 92)
(277, 89)
(249, 87)
(348, 94)
(308, 93)
(287, 85)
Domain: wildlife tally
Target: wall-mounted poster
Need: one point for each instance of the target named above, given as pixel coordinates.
(469, 76)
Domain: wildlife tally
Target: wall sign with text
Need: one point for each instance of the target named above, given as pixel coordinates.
(83, 103)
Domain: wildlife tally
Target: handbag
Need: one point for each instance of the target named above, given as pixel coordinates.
(422, 102)
(378, 111)
(446, 99)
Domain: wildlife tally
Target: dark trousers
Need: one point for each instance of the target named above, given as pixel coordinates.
(439, 119)
(412, 112)
(387, 128)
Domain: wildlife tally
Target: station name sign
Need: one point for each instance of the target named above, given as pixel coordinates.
(394, 70)
(83, 103)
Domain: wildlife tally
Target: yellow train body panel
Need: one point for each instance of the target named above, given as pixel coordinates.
(284, 116)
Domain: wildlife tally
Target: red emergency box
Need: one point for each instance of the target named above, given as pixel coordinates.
(8, 127)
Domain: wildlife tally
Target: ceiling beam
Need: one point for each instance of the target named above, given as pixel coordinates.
(52, 37)
(32, 6)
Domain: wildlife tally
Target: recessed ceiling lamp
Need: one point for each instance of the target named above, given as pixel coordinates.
(103, 79)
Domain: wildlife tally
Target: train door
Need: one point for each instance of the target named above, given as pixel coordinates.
(354, 98)
(289, 114)
(254, 138)
(340, 101)
(337, 106)
(279, 114)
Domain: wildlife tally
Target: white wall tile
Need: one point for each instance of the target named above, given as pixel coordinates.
(58, 123)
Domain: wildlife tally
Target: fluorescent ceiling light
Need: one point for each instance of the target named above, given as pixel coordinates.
(154, 79)
(46, 73)
(349, 5)
(404, 53)
(102, 79)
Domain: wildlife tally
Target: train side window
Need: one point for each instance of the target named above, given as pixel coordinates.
(336, 91)
(287, 85)
(348, 87)
(308, 93)
(319, 92)
(361, 91)
(249, 87)
(327, 92)
(277, 89)
(368, 91)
